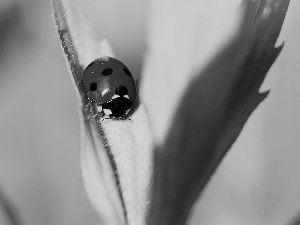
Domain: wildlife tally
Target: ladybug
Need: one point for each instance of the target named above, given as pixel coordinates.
(111, 85)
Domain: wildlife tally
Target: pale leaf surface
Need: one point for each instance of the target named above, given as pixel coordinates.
(295, 221)
(9, 209)
(116, 154)
(202, 109)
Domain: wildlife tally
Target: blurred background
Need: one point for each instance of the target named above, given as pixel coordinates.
(257, 183)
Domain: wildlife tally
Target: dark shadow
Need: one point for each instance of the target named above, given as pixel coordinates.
(9, 209)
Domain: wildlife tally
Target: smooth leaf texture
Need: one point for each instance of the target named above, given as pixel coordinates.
(217, 98)
(116, 154)
(10, 211)
(295, 221)
(205, 64)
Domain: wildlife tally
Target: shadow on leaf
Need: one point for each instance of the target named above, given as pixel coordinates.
(212, 113)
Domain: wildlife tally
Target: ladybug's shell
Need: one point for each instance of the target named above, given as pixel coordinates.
(104, 75)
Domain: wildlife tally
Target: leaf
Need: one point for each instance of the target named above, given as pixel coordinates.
(9, 209)
(215, 103)
(116, 154)
(295, 221)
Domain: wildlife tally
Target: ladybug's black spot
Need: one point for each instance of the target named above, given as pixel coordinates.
(122, 90)
(127, 71)
(119, 107)
(107, 72)
(93, 86)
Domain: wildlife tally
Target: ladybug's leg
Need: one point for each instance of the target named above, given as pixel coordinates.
(106, 117)
(99, 108)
